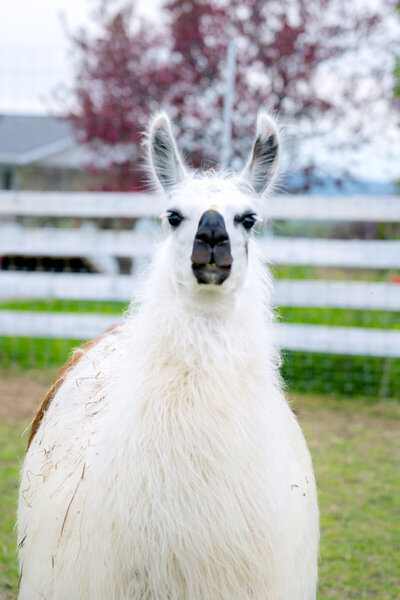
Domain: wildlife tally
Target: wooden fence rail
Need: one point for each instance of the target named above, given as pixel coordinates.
(313, 338)
(60, 242)
(287, 292)
(385, 209)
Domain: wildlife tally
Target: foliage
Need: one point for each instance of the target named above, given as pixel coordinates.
(356, 451)
(130, 67)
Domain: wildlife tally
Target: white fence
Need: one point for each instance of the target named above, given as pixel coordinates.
(106, 244)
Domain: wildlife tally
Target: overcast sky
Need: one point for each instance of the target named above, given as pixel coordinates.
(35, 57)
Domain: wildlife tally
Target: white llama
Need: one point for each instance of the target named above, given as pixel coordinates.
(165, 462)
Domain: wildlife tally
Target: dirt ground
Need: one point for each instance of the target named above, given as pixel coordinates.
(20, 396)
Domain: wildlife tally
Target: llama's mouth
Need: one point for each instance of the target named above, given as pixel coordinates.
(211, 273)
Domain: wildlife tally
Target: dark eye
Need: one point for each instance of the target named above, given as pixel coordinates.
(246, 220)
(174, 218)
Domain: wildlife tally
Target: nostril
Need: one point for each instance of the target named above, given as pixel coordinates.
(212, 237)
(222, 241)
(221, 238)
(203, 237)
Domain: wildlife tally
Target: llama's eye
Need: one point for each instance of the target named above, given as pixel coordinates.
(246, 220)
(174, 218)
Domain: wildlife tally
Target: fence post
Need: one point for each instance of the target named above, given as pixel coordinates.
(226, 150)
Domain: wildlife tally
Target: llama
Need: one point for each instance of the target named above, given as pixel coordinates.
(165, 462)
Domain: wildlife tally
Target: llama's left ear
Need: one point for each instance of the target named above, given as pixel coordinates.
(166, 163)
(262, 166)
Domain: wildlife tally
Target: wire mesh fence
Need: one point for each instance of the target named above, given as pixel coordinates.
(70, 264)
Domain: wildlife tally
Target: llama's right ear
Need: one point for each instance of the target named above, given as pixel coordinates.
(165, 161)
(262, 166)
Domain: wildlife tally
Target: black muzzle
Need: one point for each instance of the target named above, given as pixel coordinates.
(211, 256)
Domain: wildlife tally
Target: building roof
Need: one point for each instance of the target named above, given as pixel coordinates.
(25, 139)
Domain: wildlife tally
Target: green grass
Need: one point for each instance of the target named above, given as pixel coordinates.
(344, 317)
(21, 354)
(340, 374)
(356, 454)
(331, 273)
(12, 448)
(59, 305)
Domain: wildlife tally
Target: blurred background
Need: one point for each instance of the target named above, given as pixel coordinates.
(79, 80)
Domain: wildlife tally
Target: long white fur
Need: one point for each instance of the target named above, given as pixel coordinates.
(169, 464)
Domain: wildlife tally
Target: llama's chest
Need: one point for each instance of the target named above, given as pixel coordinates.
(183, 503)
(206, 492)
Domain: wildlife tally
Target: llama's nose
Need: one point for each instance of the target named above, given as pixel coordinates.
(212, 229)
(211, 256)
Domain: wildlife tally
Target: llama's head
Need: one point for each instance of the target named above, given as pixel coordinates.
(210, 217)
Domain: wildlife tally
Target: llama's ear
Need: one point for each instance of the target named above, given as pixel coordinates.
(165, 161)
(262, 166)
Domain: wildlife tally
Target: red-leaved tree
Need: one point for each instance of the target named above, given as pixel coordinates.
(131, 68)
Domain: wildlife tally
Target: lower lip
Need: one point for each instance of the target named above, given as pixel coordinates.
(210, 274)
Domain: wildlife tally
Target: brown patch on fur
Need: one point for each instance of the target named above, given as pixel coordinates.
(71, 362)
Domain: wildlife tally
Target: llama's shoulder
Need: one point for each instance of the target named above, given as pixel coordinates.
(76, 357)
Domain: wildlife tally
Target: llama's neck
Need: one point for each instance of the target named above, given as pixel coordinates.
(206, 335)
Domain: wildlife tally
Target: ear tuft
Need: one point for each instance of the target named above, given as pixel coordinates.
(262, 166)
(164, 156)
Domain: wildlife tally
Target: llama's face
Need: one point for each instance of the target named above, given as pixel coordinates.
(210, 218)
(209, 222)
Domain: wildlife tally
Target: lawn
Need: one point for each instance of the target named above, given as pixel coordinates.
(12, 448)
(356, 451)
